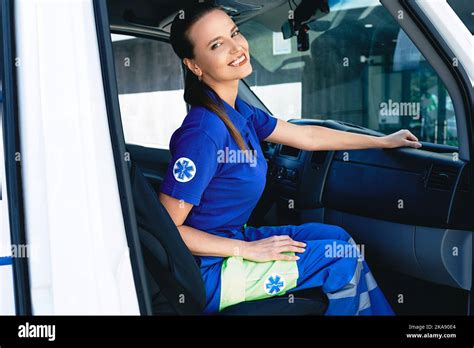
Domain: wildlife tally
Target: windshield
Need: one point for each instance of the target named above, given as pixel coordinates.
(359, 67)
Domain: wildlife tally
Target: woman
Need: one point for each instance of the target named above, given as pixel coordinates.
(210, 194)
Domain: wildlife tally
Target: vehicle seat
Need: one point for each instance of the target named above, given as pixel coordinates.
(304, 302)
(174, 278)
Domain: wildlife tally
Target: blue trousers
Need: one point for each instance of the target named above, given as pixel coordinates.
(329, 261)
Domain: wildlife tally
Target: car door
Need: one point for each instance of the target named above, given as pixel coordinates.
(7, 301)
(64, 169)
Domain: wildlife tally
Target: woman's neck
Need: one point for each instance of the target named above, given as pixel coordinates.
(227, 91)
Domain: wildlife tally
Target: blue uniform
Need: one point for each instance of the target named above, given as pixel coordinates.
(208, 170)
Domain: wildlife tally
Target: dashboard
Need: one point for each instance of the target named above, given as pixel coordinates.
(300, 175)
(430, 187)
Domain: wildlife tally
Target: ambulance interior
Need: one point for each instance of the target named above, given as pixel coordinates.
(345, 65)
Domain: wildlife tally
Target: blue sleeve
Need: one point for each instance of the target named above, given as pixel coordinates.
(193, 164)
(263, 123)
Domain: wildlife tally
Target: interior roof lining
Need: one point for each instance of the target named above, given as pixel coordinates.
(119, 8)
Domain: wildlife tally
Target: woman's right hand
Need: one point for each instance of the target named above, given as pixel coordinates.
(272, 248)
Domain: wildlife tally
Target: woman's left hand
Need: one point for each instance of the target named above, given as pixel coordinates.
(401, 138)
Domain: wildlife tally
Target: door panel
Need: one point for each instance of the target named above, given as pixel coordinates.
(422, 252)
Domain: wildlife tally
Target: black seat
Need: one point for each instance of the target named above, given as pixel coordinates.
(304, 302)
(174, 277)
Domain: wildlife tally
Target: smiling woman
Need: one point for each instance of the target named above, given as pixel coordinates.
(210, 198)
(214, 71)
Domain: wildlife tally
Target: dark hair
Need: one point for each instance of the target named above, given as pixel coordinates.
(197, 92)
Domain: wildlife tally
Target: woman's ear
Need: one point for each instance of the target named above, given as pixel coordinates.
(192, 66)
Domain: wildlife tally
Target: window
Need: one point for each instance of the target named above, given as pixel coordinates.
(150, 86)
(360, 67)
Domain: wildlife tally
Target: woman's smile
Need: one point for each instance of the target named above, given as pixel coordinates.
(239, 61)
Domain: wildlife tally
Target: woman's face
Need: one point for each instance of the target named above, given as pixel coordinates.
(221, 52)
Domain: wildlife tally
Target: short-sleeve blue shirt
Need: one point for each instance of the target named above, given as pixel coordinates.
(208, 170)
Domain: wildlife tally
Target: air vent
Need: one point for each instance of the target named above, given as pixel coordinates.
(442, 177)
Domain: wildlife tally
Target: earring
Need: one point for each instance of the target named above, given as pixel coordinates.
(200, 78)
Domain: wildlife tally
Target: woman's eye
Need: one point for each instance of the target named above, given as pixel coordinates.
(218, 44)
